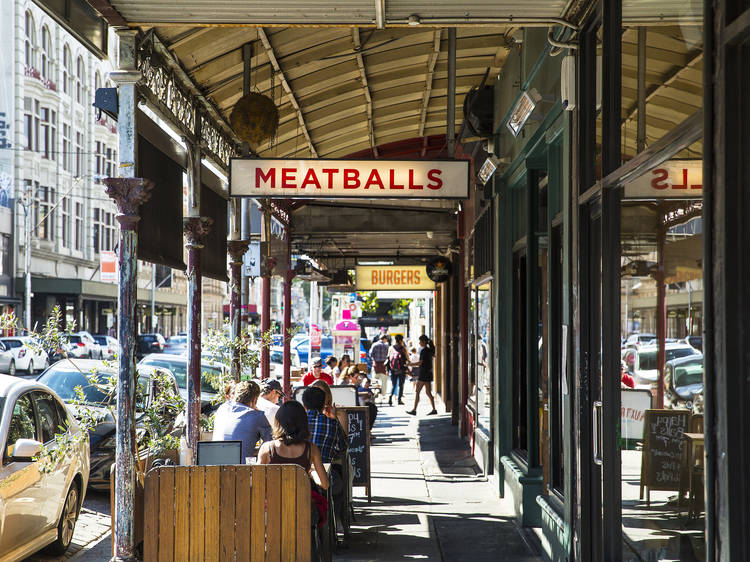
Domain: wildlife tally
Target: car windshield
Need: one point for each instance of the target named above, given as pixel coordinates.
(65, 381)
(692, 373)
(177, 340)
(277, 357)
(647, 359)
(179, 370)
(12, 344)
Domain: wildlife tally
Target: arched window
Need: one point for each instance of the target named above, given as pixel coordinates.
(80, 79)
(46, 53)
(66, 70)
(30, 43)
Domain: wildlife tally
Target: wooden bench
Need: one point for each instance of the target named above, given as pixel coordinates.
(233, 512)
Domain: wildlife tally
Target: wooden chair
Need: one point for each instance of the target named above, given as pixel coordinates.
(231, 512)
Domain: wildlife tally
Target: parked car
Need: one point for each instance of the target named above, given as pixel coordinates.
(95, 352)
(148, 343)
(636, 340)
(326, 349)
(110, 346)
(695, 341)
(277, 361)
(683, 381)
(7, 360)
(176, 345)
(642, 364)
(38, 508)
(27, 357)
(63, 377)
(177, 364)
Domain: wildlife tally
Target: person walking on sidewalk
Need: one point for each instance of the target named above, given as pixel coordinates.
(379, 356)
(398, 359)
(424, 379)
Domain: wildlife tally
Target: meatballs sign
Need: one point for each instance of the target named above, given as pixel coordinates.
(389, 179)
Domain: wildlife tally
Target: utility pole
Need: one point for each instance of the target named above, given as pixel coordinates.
(26, 202)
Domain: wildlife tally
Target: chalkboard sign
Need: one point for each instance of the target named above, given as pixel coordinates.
(354, 420)
(661, 460)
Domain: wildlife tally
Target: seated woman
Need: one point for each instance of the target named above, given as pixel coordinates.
(339, 372)
(291, 443)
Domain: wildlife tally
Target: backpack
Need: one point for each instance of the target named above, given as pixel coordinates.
(396, 362)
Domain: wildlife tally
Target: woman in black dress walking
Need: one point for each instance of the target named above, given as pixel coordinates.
(424, 380)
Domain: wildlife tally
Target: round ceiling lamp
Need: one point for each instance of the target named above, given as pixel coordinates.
(254, 118)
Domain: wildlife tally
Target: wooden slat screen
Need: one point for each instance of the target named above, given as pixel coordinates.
(234, 512)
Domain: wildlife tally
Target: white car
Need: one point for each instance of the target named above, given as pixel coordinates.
(28, 358)
(38, 508)
(110, 346)
(641, 362)
(277, 361)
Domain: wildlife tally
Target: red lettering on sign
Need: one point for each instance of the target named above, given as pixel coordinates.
(436, 182)
(351, 178)
(260, 176)
(310, 178)
(288, 181)
(395, 185)
(374, 277)
(684, 183)
(389, 277)
(417, 278)
(329, 172)
(658, 181)
(374, 179)
(413, 185)
(696, 186)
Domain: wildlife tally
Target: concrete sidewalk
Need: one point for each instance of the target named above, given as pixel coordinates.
(428, 501)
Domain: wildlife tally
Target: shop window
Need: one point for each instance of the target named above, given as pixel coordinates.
(520, 378)
(557, 378)
(483, 355)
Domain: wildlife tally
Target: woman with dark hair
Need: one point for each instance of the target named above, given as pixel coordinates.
(424, 379)
(343, 364)
(291, 442)
(398, 359)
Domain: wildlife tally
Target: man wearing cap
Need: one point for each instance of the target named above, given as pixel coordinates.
(270, 394)
(317, 373)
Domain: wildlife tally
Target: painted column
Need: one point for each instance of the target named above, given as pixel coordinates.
(236, 249)
(661, 315)
(288, 277)
(265, 314)
(129, 194)
(195, 229)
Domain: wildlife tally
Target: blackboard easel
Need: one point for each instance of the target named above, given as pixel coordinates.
(355, 421)
(661, 457)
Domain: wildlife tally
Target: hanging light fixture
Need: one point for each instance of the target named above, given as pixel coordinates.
(255, 118)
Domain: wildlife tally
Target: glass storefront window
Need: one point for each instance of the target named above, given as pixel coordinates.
(483, 355)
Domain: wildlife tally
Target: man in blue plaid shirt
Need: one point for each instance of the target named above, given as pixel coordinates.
(325, 429)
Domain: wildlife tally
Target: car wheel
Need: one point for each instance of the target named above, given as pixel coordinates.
(67, 524)
(30, 369)
(12, 369)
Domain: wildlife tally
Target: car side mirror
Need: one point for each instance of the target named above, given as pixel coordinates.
(26, 448)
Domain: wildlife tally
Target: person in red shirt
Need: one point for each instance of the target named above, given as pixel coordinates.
(316, 373)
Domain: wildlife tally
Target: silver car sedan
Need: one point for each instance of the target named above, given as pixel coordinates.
(38, 508)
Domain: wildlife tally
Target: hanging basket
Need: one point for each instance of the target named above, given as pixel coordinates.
(254, 118)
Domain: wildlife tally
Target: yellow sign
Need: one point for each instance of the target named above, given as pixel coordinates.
(393, 278)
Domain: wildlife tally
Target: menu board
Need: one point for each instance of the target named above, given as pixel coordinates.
(661, 462)
(354, 420)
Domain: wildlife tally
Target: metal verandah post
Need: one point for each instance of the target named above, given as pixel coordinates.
(288, 276)
(267, 273)
(195, 229)
(236, 249)
(128, 194)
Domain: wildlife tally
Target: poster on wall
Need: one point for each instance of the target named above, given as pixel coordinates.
(7, 86)
(673, 179)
